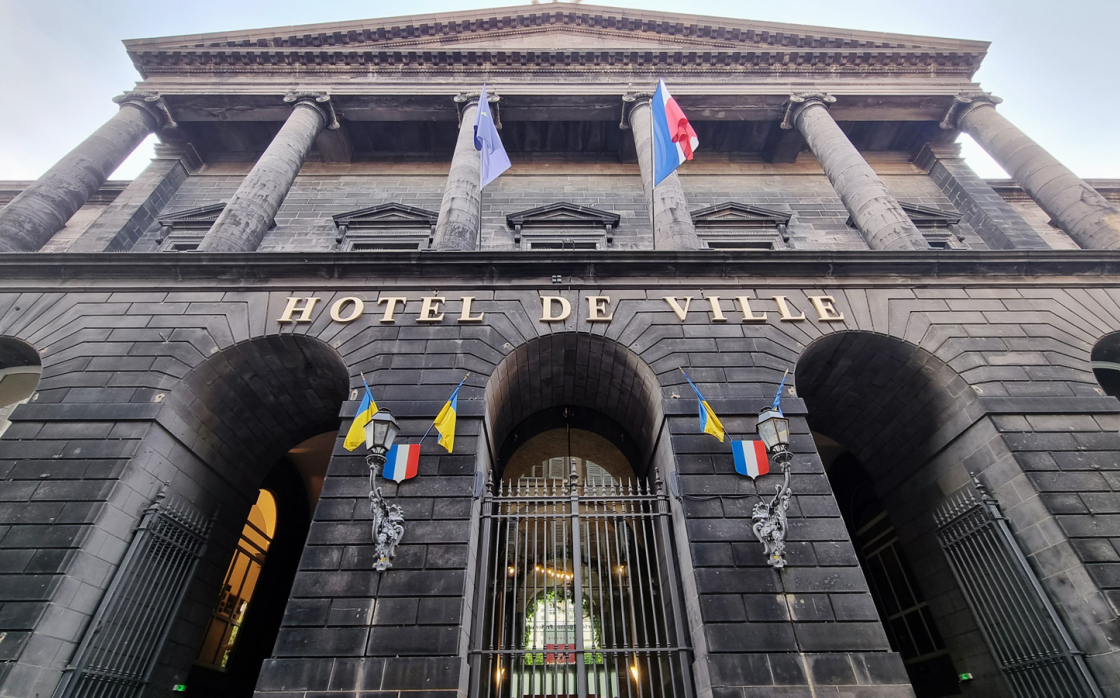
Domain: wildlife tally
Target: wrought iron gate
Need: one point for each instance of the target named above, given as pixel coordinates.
(123, 641)
(580, 597)
(1021, 627)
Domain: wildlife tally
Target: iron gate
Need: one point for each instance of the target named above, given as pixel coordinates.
(1027, 639)
(123, 641)
(580, 598)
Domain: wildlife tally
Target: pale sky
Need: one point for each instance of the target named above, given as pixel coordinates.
(1054, 62)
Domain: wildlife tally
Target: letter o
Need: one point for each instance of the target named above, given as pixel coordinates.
(336, 309)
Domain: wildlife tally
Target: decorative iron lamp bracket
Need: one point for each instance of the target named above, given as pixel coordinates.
(388, 519)
(770, 517)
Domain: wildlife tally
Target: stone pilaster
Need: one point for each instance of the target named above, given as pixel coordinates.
(459, 216)
(998, 224)
(41, 210)
(250, 212)
(672, 223)
(1077, 208)
(877, 215)
(122, 222)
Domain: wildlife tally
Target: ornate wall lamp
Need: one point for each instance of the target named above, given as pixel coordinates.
(770, 517)
(388, 519)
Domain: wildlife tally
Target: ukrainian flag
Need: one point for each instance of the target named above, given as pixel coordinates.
(357, 434)
(709, 422)
(445, 420)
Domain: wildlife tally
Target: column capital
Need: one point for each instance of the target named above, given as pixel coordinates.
(320, 101)
(965, 102)
(801, 100)
(464, 100)
(630, 101)
(150, 102)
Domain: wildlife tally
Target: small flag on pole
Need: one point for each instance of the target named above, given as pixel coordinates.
(778, 397)
(445, 420)
(357, 434)
(709, 422)
(674, 139)
(750, 458)
(402, 462)
(492, 153)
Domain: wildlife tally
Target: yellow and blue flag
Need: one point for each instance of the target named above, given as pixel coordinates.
(445, 420)
(709, 422)
(357, 434)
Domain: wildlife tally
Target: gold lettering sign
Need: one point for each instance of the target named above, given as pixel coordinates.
(299, 309)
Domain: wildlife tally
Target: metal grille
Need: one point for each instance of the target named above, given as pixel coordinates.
(124, 639)
(1024, 633)
(580, 598)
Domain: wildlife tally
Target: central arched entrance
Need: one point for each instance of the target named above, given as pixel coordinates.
(580, 591)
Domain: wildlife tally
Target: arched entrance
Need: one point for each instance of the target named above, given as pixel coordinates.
(579, 589)
(19, 375)
(907, 449)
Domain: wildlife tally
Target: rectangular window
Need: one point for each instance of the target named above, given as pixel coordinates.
(385, 245)
(563, 245)
(740, 245)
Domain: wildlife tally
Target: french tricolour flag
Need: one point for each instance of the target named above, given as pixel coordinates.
(750, 458)
(402, 462)
(673, 138)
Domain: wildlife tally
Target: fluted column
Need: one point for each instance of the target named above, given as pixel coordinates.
(250, 211)
(1077, 208)
(877, 214)
(672, 224)
(41, 210)
(459, 222)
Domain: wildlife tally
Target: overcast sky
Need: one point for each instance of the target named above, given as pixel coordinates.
(1054, 61)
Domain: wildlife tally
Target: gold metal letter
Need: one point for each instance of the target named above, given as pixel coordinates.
(596, 307)
(748, 314)
(717, 312)
(294, 307)
(336, 309)
(826, 310)
(546, 308)
(783, 309)
(466, 316)
(429, 308)
(682, 313)
(391, 303)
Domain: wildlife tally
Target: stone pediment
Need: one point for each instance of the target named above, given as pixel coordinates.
(390, 216)
(200, 218)
(736, 215)
(563, 215)
(930, 216)
(548, 33)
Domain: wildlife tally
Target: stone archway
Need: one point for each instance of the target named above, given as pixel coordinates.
(20, 369)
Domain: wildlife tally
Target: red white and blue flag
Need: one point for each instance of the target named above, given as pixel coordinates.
(750, 458)
(402, 462)
(674, 140)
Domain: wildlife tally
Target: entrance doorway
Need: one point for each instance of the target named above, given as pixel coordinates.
(576, 600)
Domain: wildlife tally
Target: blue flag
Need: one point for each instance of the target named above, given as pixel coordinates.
(488, 143)
(778, 398)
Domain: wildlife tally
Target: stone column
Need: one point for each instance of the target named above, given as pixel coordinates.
(672, 223)
(1077, 208)
(877, 215)
(253, 206)
(460, 219)
(41, 210)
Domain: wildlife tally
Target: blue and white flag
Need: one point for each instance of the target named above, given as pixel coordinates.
(488, 143)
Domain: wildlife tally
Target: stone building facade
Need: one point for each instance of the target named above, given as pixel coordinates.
(182, 355)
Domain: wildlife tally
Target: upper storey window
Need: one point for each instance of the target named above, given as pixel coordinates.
(563, 226)
(939, 227)
(385, 227)
(183, 231)
(736, 226)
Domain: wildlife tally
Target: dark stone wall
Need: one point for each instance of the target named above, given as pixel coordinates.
(150, 386)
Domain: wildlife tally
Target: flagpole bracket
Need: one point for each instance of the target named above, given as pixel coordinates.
(770, 523)
(388, 519)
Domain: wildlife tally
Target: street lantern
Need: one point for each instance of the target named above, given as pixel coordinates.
(770, 517)
(388, 519)
(381, 431)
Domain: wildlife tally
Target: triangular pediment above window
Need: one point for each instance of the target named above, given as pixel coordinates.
(200, 218)
(563, 215)
(387, 217)
(736, 215)
(930, 216)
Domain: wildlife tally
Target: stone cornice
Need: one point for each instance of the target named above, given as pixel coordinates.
(600, 269)
(618, 38)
